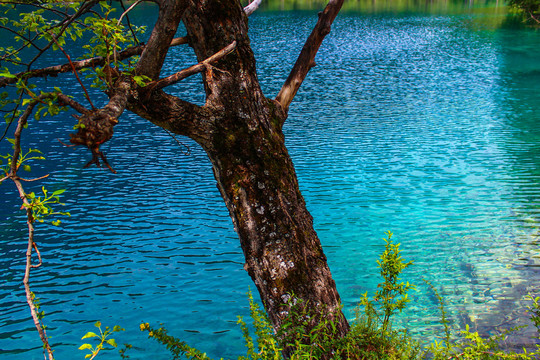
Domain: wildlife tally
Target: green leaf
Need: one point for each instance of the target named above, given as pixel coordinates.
(97, 324)
(112, 343)
(117, 328)
(87, 356)
(85, 347)
(58, 192)
(89, 335)
(7, 75)
(27, 168)
(139, 80)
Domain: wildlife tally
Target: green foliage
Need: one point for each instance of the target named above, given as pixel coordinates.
(176, 347)
(41, 205)
(530, 9)
(102, 337)
(391, 295)
(443, 348)
(23, 158)
(534, 309)
(267, 345)
(37, 304)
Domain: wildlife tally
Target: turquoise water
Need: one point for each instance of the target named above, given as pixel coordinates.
(425, 125)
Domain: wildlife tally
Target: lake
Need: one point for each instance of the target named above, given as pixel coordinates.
(424, 123)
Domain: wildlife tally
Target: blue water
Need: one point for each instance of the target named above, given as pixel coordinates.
(425, 125)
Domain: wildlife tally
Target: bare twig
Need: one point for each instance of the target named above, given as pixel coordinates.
(186, 153)
(306, 59)
(36, 179)
(129, 22)
(128, 10)
(75, 73)
(182, 74)
(250, 9)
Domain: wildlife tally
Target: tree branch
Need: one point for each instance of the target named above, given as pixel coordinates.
(182, 74)
(175, 115)
(96, 126)
(82, 64)
(306, 59)
(30, 222)
(153, 56)
(87, 5)
(66, 100)
(250, 9)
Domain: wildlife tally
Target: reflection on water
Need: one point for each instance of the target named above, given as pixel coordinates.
(422, 125)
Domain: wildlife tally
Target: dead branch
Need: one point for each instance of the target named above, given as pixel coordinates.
(75, 73)
(182, 74)
(30, 180)
(250, 9)
(96, 126)
(306, 59)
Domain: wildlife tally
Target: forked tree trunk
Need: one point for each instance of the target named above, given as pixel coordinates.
(254, 172)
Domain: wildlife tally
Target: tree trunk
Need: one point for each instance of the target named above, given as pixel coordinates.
(254, 172)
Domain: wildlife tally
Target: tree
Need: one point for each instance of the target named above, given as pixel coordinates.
(239, 127)
(529, 8)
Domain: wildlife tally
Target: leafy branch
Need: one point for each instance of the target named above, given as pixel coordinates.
(103, 338)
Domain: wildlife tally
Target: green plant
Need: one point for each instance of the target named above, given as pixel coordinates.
(267, 344)
(176, 347)
(441, 349)
(103, 338)
(530, 9)
(41, 206)
(391, 295)
(534, 309)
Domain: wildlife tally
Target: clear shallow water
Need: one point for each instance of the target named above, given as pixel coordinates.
(422, 125)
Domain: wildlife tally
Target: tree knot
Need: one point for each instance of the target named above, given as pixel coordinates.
(94, 128)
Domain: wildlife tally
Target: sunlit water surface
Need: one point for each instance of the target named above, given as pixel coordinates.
(425, 125)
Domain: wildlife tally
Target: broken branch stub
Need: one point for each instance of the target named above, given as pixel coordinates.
(95, 128)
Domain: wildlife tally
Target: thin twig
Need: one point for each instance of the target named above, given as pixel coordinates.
(36, 179)
(38, 254)
(76, 74)
(186, 153)
(182, 74)
(23, 120)
(129, 23)
(128, 10)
